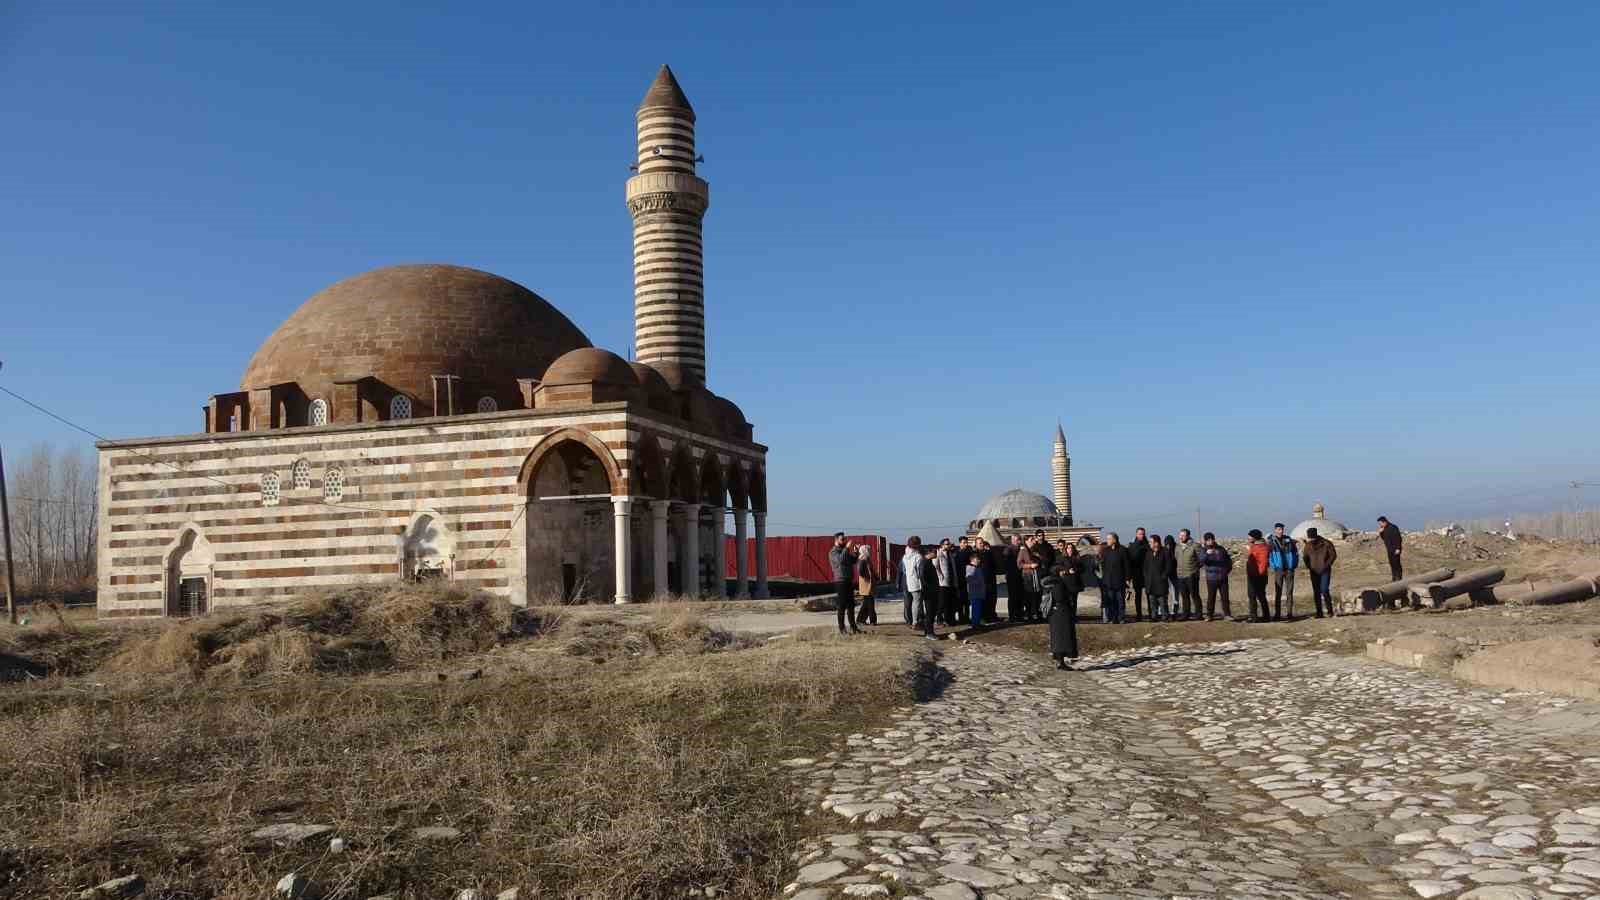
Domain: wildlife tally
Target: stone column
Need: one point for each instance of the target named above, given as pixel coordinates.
(761, 556)
(719, 552)
(658, 543)
(624, 547)
(691, 550)
(741, 550)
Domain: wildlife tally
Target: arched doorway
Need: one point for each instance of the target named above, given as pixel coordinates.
(190, 570)
(570, 480)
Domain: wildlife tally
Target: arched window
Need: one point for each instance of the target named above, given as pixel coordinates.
(487, 404)
(301, 474)
(400, 407)
(333, 484)
(319, 412)
(269, 489)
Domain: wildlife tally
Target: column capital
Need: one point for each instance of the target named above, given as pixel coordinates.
(622, 504)
(692, 507)
(660, 508)
(760, 515)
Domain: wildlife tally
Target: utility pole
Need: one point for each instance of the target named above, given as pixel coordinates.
(1197, 531)
(5, 527)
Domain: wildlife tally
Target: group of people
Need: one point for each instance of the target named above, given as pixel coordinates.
(1167, 572)
(956, 583)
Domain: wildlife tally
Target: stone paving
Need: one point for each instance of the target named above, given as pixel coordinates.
(1246, 769)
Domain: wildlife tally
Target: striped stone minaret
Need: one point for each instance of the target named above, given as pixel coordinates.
(668, 200)
(1061, 475)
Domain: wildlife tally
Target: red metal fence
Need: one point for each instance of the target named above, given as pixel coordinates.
(805, 559)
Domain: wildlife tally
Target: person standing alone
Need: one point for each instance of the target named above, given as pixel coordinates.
(1320, 554)
(1284, 557)
(842, 560)
(1390, 535)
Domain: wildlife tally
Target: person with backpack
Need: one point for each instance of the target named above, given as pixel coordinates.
(1064, 583)
(1320, 554)
(1283, 555)
(1217, 563)
(1255, 576)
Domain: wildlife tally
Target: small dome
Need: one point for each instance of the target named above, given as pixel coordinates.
(1018, 504)
(729, 412)
(1319, 520)
(590, 365)
(658, 394)
(404, 324)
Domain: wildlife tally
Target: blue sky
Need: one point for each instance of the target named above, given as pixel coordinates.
(1252, 257)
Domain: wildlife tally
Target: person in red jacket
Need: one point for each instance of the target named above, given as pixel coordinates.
(1257, 560)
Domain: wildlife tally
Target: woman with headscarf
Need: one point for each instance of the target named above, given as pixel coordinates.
(1064, 583)
(868, 612)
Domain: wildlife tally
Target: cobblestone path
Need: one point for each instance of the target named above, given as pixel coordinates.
(1247, 769)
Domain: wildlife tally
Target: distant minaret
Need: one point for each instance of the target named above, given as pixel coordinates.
(668, 200)
(1061, 475)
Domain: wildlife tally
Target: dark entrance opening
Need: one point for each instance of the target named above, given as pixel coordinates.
(192, 597)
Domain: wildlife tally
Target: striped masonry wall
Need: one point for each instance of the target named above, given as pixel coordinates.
(668, 201)
(464, 471)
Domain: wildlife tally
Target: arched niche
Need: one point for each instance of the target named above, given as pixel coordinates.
(190, 574)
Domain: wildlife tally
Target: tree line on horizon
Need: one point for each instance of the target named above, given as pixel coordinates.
(51, 493)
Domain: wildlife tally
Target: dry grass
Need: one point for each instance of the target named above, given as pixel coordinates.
(347, 630)
(606, 753)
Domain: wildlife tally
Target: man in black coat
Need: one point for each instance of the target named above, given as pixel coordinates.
(1390, 535)
(1136, 554)
(1115, 568)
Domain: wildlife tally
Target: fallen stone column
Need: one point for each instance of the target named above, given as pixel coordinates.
(1440, 591)
(1386, 594)
(1511, 593)
(1567, 592)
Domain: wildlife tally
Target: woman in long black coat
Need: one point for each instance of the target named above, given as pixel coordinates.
(1064, 587)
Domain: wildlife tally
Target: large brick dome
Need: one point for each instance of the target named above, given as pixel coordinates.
(403, 324)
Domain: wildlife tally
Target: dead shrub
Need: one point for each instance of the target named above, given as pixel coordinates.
(352, 629)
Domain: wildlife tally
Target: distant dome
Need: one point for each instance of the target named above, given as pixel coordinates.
(405, 324)
(1319, 520)
(1018, 504)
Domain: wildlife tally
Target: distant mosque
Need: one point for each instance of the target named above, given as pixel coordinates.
(1023, 512)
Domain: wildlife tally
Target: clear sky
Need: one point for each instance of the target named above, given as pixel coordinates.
(1252, 257)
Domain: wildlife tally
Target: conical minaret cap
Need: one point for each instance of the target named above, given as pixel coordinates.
(665, 93)
(1061, 436)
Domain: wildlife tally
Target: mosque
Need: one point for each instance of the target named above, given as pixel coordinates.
(435, 421)
(1023, 512)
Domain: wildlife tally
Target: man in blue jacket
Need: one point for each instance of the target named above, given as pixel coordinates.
(1283, 555)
